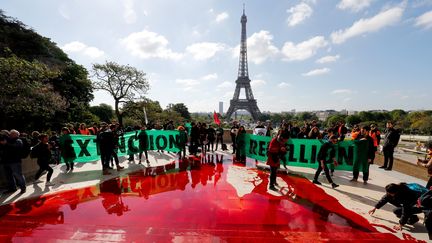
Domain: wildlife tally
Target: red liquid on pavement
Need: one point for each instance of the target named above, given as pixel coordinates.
(193, 200)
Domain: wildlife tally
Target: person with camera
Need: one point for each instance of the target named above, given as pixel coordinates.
(276, 150)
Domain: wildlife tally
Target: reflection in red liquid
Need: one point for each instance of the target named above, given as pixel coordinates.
(190, 200)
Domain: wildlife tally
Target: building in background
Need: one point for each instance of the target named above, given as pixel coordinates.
(220, 107)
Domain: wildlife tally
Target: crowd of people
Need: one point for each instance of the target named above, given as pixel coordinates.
(203, 138)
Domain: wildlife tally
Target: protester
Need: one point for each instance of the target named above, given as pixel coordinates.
(241, 145)
(83, 130)
(66, 149)
(427, 163)
(183, 138)
(219, 136)
(323, 159)
(375, 134)
(233, 134)
(106, 147)
(342, 130)
(404, 197)
(364, 136)
(42, 152)
(391, 140)
(12, 163)
(117, 133)
(211, 136)
(276, 150)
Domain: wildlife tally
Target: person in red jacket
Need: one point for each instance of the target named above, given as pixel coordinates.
(277, 149)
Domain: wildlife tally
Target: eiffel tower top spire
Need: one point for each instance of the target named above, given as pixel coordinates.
(243, 64)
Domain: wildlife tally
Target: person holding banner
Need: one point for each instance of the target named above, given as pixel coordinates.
(364, 135)
(323, 158)
(277, 149)
(241, 145)
(233, 133)
(66, 149)
(183, 138)
(143, 144)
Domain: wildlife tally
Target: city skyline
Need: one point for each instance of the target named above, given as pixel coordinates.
(304, 55)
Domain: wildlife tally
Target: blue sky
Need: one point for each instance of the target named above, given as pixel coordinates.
(304, 55)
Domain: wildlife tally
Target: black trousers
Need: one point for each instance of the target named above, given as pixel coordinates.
(411, 212)
(326, 171)
(388, 157)
(429, 183)
(273, 170)
(233, 139)
(44, 167)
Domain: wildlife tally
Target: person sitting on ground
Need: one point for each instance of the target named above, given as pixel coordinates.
(404, 196)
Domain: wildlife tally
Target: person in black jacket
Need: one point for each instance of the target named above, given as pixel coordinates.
(391, 139)
(12, 162)
(326, 155)
(42, 152)
(405, 199)
(364, 136)
(106, 147)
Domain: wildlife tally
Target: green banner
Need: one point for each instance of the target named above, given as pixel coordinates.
(87, 149)
(351, 155)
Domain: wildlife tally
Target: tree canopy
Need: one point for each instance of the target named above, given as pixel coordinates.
(123, 82)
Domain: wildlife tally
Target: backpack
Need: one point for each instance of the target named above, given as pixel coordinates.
(26, 148)
(419, 189)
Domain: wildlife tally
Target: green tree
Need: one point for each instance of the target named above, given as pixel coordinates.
(181, 109)
(25, 91)
(103, 111)
(333, 119)
(306, 116)
(352, 120)
(122, 82)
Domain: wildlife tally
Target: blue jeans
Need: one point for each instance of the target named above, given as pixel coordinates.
(14, 176)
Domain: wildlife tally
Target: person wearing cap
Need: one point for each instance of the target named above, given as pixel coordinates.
(323, 159)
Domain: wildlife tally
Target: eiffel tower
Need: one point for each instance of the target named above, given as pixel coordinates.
(243, 81)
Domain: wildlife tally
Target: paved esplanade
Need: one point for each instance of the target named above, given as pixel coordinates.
(199, 199)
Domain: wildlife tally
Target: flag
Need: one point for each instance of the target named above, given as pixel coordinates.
(216, 118)
(145, 115)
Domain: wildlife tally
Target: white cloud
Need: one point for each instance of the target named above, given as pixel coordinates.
(147, 44)
(317, 72)
(228, 94)
(221, 17)
(129, 13)
(226, 84)
(354, 5)
(284, 84)
(187, 82)
(211, 76)
(79, 47)
(328, 59)
(424, 20)
(258, 82)
(299, 13)
(204, 50)
(342, 91)
(363, 26)
(303, 50)
(63, 11)
(259, 47)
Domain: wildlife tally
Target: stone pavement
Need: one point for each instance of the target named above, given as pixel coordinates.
(210, 181)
